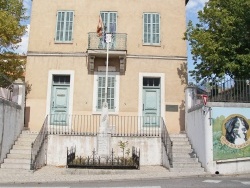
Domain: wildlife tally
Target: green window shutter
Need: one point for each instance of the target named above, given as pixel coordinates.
(151, 28)
(64, 29)
(101, 92)
(110, 92)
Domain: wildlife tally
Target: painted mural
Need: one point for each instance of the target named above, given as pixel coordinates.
(231, 133)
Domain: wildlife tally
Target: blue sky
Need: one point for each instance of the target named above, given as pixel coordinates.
(192, 8)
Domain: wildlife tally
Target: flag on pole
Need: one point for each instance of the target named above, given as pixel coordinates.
(99, 27)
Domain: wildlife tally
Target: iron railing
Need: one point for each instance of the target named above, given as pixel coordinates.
(167, 143)
(108, 162)
(118, 125)
(228, 90)
(118, 41)
(37, 151)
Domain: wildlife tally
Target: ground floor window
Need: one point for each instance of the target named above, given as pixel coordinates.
(112, 91)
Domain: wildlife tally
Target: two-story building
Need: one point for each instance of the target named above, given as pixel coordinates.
(66, 60)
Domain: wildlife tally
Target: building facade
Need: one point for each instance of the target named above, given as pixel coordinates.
(66, 60)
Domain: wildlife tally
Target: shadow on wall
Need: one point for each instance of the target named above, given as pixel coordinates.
(27, 117)
(182, 73)
(182, 116)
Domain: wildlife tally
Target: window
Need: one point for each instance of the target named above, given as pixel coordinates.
(109, 20)
(64, 28)
(151, 28)
(112, 92)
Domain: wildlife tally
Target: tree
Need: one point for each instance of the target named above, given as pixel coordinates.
(12, 14)
(220, 42)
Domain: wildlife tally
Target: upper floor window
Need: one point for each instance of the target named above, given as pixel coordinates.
(64, 27)
(109, 20)
(151, 28)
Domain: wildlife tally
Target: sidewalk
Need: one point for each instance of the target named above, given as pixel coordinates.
(57, 174)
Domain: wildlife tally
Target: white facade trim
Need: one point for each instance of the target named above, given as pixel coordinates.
(117, 91)
(152, 75)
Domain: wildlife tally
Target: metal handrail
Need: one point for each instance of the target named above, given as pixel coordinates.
(37, 145)
(167, 143)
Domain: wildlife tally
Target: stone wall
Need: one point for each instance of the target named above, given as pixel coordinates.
(11, 121)
(150, 148)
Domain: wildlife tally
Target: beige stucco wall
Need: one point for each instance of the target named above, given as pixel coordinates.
(130, 14)
(168, 58)
(39, 67)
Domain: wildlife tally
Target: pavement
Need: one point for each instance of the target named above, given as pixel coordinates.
(49, 174)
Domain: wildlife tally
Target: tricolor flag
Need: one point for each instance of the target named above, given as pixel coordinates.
(99, 27)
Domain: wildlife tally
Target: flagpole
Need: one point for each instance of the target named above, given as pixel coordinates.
(108, 40)
(104, 116)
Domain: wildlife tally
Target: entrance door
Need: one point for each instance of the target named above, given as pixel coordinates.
(151, 102)
(59, 102)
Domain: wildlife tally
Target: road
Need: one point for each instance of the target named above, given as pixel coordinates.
(241, 181)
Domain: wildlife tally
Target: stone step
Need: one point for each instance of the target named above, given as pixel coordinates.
(18, 156)
(181, 146)
(28, 135)
(15, 161)
(184, 159)
(24, 172)
(177, 139)
(21, 151)
(181, 142)
(15, 166)
(26, 139)
(178, 136)
(184, 155)
(23, 143)
(21, 147)
(186, 165)
(182, 150)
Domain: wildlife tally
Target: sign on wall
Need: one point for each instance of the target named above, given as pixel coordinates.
(231, 133)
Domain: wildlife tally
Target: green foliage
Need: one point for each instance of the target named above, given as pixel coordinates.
(221, 40)
(11, 68)
(12, 13)
(123, 145)
(217, 123)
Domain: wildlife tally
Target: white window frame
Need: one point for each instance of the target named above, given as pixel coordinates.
(150, 24)
(63, 30)
(95, 92)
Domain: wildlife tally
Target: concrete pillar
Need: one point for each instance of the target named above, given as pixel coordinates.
(190, 99)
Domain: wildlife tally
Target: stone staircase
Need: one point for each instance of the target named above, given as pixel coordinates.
(184, 158)
(20, 155)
